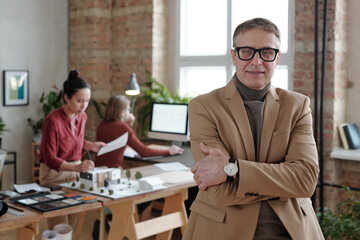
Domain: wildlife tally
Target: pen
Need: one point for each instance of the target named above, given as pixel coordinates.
(89, 155)
(15, 212)
(18, 209)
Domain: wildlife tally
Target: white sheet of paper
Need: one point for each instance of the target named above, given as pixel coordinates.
(172, 166)
(129, 152)
(176, 176)
(115, 144)
(23, 188)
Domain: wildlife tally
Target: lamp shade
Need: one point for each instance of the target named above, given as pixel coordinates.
(132, 88)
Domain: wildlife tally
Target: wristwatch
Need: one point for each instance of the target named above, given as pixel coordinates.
(231, 169)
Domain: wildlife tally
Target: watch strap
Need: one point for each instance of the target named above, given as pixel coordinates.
(231, 178)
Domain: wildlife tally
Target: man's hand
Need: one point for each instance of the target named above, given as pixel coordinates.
(209, 171)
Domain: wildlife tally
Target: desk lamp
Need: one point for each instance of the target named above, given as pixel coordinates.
(132, 90)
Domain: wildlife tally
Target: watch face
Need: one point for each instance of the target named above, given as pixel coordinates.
(231, 169)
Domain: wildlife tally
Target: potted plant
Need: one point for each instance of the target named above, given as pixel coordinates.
(153, 91)
(2, 129)
(344, 222)
(49, 102)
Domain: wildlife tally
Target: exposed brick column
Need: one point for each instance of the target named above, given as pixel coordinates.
(90, 49)
(132, 41)
(110, 39)
(336, 75)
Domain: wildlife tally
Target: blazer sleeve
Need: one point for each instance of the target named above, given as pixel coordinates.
(203, 130)
(294, 176)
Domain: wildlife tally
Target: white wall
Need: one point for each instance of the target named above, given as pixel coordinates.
(34, 37)
(353, 96)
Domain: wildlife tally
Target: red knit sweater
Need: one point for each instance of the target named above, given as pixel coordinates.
(108, 131)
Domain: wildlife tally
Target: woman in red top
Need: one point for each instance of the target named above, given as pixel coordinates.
(117, 121)
(62, 143)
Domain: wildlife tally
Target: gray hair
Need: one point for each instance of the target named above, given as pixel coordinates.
(261, 23)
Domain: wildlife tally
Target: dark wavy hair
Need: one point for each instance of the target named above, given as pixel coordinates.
(74, 83)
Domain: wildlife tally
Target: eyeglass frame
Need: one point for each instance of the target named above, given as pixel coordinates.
(236, 49)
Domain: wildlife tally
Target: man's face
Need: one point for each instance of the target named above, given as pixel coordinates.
(255, 73)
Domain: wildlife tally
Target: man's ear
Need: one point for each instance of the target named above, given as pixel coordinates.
(278, 58)
(233, 55)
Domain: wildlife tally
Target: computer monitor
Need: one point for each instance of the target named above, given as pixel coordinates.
(169, 121)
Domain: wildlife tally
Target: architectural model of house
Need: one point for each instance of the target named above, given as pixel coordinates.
(100, 177)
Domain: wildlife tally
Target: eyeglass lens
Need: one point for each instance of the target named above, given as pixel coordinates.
(266, 54)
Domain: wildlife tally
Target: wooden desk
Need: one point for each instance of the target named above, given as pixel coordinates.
(28, 225)
(173, 216)
(185, 158)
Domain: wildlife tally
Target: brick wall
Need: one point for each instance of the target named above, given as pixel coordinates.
(335, 171)
(110, 39)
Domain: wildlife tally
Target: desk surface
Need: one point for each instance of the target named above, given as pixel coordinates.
(149, 170)
(10, 221)
(185, 158)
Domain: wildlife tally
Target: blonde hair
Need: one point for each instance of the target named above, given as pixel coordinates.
(114, 107)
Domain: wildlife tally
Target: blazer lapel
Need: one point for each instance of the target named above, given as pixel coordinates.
(271, 112)
(237, 109)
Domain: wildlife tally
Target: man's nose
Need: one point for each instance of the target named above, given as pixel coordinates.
(257, 59)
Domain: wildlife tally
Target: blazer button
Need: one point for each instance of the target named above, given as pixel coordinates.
(275, 198)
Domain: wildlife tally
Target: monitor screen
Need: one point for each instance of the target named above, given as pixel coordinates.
(169, 121)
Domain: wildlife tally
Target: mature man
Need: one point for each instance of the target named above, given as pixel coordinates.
(256, 158)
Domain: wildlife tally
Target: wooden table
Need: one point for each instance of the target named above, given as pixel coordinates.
(124, 225)
(28, 225)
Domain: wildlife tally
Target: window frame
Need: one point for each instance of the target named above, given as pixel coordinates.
(176, 61)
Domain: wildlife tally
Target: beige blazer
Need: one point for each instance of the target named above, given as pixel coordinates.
(286, 174)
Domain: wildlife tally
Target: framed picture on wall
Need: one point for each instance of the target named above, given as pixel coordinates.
(15, 87)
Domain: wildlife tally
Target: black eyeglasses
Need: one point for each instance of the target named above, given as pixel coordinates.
(247, 53)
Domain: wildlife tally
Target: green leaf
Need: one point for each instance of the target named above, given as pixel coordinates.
(138, 175)
(128, 173)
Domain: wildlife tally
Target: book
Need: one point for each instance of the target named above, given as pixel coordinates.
(343, 136)
(352, 135)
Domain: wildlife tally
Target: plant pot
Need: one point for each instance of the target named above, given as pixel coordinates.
(37, 137)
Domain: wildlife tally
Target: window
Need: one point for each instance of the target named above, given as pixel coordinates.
(203, 36)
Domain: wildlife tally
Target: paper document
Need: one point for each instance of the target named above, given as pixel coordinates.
(176, 176)
(172, 166)
(131, 153)
(23, 188)
(115, 144)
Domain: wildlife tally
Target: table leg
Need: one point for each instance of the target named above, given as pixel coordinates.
(173, 204)
(80, 225)
(123, 222)
(102, 224)
(29, 232)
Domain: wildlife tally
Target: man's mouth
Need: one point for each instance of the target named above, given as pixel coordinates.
(255, 72)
